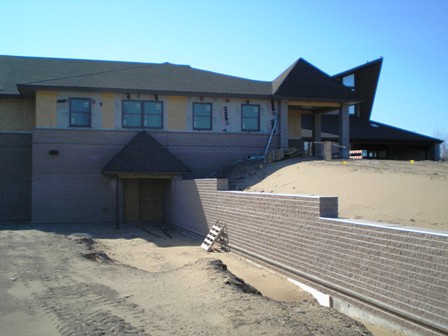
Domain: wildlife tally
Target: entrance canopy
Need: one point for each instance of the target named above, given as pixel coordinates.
(144, 157)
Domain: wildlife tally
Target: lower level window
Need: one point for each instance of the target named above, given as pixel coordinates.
(80, 110)
(250, 117)
(142, 114)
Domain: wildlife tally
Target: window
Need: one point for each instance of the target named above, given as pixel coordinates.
(142, 114)
(353, 110)
(80, 109)
(202, 116)
(349, 81)
(250, 117)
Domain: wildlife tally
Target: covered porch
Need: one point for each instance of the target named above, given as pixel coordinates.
(143, 171)
(304, 89)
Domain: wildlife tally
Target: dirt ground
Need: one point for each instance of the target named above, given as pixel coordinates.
(93, 280)
(398, 192)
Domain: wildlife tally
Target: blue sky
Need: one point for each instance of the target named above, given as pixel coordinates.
(256, 40)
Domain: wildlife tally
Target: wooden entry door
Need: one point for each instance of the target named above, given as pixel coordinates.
(151, 200)
(143, 199)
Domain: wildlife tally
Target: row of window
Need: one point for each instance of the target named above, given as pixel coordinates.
(149, 114)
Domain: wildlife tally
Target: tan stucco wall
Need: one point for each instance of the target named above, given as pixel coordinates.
(17, 115)
(294, 124)
(46, 108)
(176, 113)
(108, 113)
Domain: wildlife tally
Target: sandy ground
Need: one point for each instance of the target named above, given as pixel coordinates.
(56, 281)
(397, 192)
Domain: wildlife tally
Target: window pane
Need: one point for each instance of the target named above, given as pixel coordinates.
(352, 110)
(152, 108)
(80, 119)
(349, 81)
(153, 121)
(202, 123)
(132, 120)
(204, 110)
(132, 107)
(250, 124)
(79, 105)
(250, 111)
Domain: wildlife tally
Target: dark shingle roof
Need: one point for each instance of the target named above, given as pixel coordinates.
(366, 82)
(364, 130)
(143, 154)
(25, 75)
(303, 80)
(31, 73)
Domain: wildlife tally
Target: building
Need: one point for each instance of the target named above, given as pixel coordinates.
(100, 141)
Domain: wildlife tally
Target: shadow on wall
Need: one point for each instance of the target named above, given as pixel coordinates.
(191, 206)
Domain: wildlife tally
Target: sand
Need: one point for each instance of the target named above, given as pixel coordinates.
(95, 280)
(397, 192)
(58, 280)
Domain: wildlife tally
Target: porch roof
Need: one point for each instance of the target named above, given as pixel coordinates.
(144, 155)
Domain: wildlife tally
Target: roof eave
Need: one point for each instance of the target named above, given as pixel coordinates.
(30, 90)
(328, 100)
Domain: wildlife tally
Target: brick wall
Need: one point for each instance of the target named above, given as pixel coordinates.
(15, 176)
(69, 186)
(401, 275)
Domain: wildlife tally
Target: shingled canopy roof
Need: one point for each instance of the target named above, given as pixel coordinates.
(363, 130)
(144, 155)
(26, 75)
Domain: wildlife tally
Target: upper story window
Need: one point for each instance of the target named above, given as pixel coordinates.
(349, 81)
(202, 116)
(80, 110)
(142, 114)
(250, 117)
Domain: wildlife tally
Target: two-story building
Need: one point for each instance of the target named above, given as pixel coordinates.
(100, 141)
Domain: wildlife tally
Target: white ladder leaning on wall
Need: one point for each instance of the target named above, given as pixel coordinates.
(213, 235)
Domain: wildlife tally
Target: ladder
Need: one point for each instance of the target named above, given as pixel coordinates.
(214, 234)
(272, 134)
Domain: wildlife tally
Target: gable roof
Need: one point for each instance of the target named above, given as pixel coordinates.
(143, 154)
(366, 82)
(302, 80)
(25, 75)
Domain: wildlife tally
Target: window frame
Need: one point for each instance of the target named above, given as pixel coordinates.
(142, 113)
(89, 113)
(210, 117)
(245, 129)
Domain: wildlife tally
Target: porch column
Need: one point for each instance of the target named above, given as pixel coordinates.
(317, 134)
(283, 125)
(344, 131)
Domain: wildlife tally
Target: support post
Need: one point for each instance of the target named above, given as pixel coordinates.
(317, 135)
(284, 124)
(344, 131)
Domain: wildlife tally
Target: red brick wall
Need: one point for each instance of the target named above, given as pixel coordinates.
(398, 274)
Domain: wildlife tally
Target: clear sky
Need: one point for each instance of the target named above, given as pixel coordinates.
(256, 40)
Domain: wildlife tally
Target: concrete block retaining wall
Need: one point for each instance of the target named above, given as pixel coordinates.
(398, 274)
